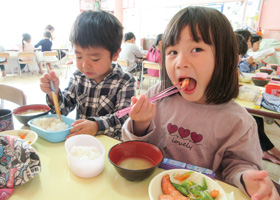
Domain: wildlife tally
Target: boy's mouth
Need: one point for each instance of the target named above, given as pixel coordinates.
(188, 84)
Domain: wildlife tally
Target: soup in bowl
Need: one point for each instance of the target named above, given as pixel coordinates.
(135, 160)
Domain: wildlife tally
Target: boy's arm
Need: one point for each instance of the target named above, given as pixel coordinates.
(244, 66)
(110, 124)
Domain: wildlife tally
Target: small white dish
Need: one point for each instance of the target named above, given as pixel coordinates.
(27, 135)
(155, 184)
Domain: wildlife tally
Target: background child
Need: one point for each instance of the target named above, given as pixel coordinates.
(153, 55)
(202, 125)
(46, 45)
(2, 60)
(25, 46)
(246, 65)
(98, 89)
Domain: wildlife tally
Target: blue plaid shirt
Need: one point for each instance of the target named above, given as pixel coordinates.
(99, 102)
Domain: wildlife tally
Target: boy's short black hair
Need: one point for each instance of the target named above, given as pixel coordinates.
(255, 38)
(128, 36)
(47, 34)
(242, 44)
(97, 29)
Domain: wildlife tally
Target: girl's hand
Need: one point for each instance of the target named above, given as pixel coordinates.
(45, 83)
(142, 113)
(83, 126)
(259, 186)
(249, 60)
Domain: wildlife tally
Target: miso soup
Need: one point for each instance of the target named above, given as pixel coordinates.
(32, 112)
(136, 163)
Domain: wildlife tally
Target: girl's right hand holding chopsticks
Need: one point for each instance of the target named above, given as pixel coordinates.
(45, 83)
(142, 113)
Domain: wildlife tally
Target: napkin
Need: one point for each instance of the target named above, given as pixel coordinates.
(271, 102)
(19, 163)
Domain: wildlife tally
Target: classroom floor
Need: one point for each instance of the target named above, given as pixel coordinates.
(29, 83)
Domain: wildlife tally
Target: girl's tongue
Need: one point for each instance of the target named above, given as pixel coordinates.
(191, 85)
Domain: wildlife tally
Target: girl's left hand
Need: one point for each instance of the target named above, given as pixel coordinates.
(259, 186)
(83, 126)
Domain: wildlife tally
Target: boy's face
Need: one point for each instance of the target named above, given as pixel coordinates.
(193, 60)
(256, 45)
(94, 63)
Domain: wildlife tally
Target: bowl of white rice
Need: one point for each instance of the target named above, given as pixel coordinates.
(50, 128)
(85, 155)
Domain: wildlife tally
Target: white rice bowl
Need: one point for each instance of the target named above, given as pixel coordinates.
(85, 152)
(50, 124)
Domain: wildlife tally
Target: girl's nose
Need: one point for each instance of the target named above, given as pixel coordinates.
(183, 61)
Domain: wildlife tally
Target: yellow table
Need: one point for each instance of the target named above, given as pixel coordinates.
(56, 181)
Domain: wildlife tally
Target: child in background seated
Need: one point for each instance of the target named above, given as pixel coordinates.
(25, 46)
(201, 124)
(153, 55)
(46, 45)
(98, 89)
(2, 60)
(246, 65)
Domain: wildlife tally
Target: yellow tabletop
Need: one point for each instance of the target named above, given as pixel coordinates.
(56, 181)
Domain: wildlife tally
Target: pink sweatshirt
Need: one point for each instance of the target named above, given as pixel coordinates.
(221, 137)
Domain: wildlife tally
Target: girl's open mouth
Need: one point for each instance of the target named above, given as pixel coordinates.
(189, 84)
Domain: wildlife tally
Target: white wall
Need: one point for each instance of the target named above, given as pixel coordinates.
(31, 16)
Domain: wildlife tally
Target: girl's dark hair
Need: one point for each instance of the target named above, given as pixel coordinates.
(245, 33)
(242, 44)
(158, 39)
(215, 30)
(255, 38)
(128, 36)
(97, 29)
(25, 37)
(49, 27)
(48, 34)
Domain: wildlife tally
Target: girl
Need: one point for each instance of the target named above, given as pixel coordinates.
(255, 42)
(25, 46)
(201, 124)
(153, 55)
(46, 45)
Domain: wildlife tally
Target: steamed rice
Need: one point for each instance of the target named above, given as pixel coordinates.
(85, 152)
(50, 124)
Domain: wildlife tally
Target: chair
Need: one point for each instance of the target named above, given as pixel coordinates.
(28, 62)
(12, 94)
(124, 65)
(70, 56)
(5, 55)
(51, 54)
(149, 65)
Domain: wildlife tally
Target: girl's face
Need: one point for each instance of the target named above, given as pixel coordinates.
(256, 46)
(193, 60)
(94, 63)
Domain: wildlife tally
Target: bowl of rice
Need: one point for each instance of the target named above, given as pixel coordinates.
(50, 128)
(85, 155)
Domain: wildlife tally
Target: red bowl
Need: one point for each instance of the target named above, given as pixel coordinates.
(258, 81)
(137, 150)
(27, 108)
(268, 71)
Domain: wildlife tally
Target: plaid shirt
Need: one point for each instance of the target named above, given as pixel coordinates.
(99, 102)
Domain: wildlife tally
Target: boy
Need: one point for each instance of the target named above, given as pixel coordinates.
(98, 89)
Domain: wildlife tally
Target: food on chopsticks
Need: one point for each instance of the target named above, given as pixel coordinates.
(50, 124)
(32, 112)
(186, 189)
(85, 152)
(184, 83)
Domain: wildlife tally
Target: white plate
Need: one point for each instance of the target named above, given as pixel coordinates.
(155, 184)
(30, 137)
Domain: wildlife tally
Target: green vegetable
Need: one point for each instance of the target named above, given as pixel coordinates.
(181, 189)
(206, 196)
(204, 184)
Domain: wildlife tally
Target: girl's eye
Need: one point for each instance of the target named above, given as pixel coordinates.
(195, 50)
(172, 53)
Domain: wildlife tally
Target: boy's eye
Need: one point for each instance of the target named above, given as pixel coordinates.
(95, 59)
(78, 57)
(195, 50)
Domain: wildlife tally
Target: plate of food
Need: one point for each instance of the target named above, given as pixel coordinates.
(27, 135)
(184, 184)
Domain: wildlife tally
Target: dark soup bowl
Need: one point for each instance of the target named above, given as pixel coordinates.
(268, 71)
(135, 160)
(25, 113)
(258, 81)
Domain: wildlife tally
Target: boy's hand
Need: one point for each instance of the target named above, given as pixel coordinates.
(83, 126)
(259, 186)
(45, 83)
(142, 113)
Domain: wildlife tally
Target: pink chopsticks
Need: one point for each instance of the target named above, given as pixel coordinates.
(162, 94)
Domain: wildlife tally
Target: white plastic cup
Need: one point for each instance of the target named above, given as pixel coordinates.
(85, 168)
